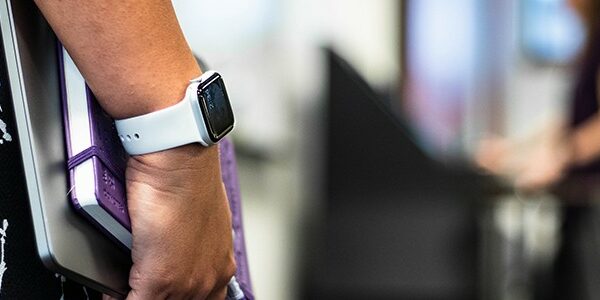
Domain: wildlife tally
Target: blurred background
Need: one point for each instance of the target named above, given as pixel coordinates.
(386, 147)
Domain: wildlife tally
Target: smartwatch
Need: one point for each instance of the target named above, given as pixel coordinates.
(203, 116)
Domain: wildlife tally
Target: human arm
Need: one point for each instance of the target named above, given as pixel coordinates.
(132, 53)
(585, 141)
(541, 160)
(136, 60)
(569, 148)
(532, 162)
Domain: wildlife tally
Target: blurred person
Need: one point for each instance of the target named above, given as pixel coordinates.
(563, 149)
(562, 146)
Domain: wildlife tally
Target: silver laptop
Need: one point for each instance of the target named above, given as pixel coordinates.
(66, 243)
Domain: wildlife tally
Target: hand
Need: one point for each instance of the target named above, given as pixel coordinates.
(531, 166)
(546, 166)
(181, 225)
(494, 155)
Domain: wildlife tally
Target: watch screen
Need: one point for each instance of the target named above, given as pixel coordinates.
(218, 114)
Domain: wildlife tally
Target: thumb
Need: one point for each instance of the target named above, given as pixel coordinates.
(138, 295)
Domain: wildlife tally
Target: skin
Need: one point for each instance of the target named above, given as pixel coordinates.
(584, 139)
(136, 60)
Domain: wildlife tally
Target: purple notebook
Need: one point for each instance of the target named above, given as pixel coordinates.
(96, 163)
(96, 160)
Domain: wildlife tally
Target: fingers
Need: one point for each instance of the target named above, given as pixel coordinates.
(139, 295)
(165, 286)
(538, 180)
(182, 289)
(219, 294)
(491, 155)
(149, 293)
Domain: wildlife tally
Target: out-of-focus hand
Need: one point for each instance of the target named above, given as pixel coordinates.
(531, 166)
(181, 225)
(494, 154)
(546, 165)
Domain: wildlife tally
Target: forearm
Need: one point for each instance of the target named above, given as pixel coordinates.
(135, 59)
(585, 141)
(132, 52)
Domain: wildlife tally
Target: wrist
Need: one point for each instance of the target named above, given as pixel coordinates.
(204, 116)
(146, 92)
(572, 155)
(577, 155)
(189, 167)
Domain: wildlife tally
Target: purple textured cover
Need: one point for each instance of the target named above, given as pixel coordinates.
(232, 187)
(110, 189)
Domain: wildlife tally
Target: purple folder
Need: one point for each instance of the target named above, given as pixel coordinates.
(96, 163)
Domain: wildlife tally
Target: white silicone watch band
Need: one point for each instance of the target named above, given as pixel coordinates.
(171, 127)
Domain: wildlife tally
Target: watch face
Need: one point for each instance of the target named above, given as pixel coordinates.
(218, 115)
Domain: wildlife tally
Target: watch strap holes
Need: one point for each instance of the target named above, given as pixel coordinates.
(129, 137)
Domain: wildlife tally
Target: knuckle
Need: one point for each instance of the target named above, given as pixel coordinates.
(135, 277)
(159, 284)
(230, 268)
(192, 285)
(228, 271)
(200, 287)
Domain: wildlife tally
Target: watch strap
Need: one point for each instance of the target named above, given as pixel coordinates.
(160, 130)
